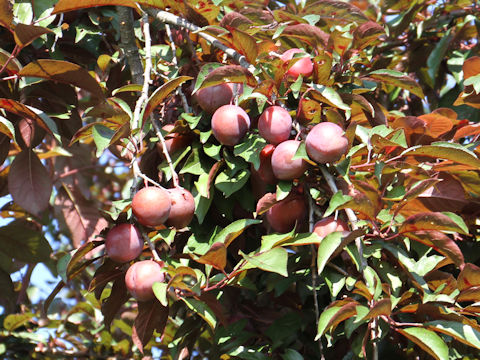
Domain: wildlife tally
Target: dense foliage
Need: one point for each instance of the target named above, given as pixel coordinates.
(100, 99)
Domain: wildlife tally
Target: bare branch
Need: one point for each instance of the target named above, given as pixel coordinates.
(169, 18)
(128, 44)
(158, 131)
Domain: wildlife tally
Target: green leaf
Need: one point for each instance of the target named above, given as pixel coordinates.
(331, 97)
(250, 148)
(102, 136)
(427, 340)
(235, 229)
(462, 332)
(204, 71)
(327, 247)
(230, 184)
(337, 200)
(160, 290)
(398, 80)
(201, 309)
(433, 221)
(324, 320)
(291, 354)
(14, 321)
(283, 189)
(274, 260)
(438, 55)
(24, 244)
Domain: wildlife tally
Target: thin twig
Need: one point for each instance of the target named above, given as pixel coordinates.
(150, 245)
(169, 18)
(22, 295)
(350, 214)
(185, 105)
(158, 131)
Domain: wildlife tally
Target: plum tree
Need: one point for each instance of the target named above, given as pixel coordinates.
(283, 166)
(326, 142)
(230, 123)
(275, 124)
(182, 209)
(303, 66)
(329, 225)
(283, 216)
(212, 97)
(123, 243)
(140, 277)
(174, 141)
(151, 206)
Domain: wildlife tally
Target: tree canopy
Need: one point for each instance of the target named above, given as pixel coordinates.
(240, 179)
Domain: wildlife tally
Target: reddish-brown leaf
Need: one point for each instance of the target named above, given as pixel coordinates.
(430, 221)
(82, 217)
(14, 66)
(118, 296)
(6, 13)
(151, 316)
(266, 202)
(216, 256)
(309, 34)
(107, 272)
(235, 20)
(468, 130)
(29, 182)
(468, 277)
(25, 34)
(470, 294)
(245, 44)
(345, 312)
(437, 278)
(24, 111)
(471, 67)
(335, 12)
(229, 73)
(436, 124)
(63, 72)
(212, 174)
(381, 307)
(367, 34)
(75, 264)
(441, 243)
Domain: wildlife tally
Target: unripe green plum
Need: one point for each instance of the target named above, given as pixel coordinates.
(183, 208)
(275, 124)
(283, 216)
(123, 243)
(283, 166)
(140, 277)
(230, 124)
(151, 206)
(303, 66)
(329, 225)
(326, 142)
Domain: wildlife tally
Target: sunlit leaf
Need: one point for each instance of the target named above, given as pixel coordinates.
(461, 332)
(26, 34)
(427, 340)
(274, 260)
(397, 79)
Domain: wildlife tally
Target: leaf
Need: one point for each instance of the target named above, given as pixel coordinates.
(151, 316)
(160, 290)
(14, 321)
(231, 74)
(312, 35)
(63, 72)
(23, 244)
(216, 256)
(336, 201)
(244, 44)
(431, 221)
(118, 296)
(335, 314)
(6, 14)
(327, 247)
(436, 124)
(235, 229)
(229, 184)
(162, 92)
(381, 307)
(335, 12)
(462, 332)
(108, 271)
(470, 294)
(102, 136)
(68, 5)
(438, 54)
(29, 182)
(397, 79)
(8, 296)
(441, 243)
(74, 266)
(427, 340)
(367, 34)
(25, 34)
(468, 277)
(448, 151)
(329, 96)
(274, 260)
(250, 148)
(14, 66)
(265, 203)
(202, 309)
(29, 112)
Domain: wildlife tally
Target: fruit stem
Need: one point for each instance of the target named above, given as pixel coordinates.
(166, 154)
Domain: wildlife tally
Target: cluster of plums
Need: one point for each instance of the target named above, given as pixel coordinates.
(152, 206)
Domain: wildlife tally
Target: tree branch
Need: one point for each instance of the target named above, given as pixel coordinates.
(169, 18)
(128, 44)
